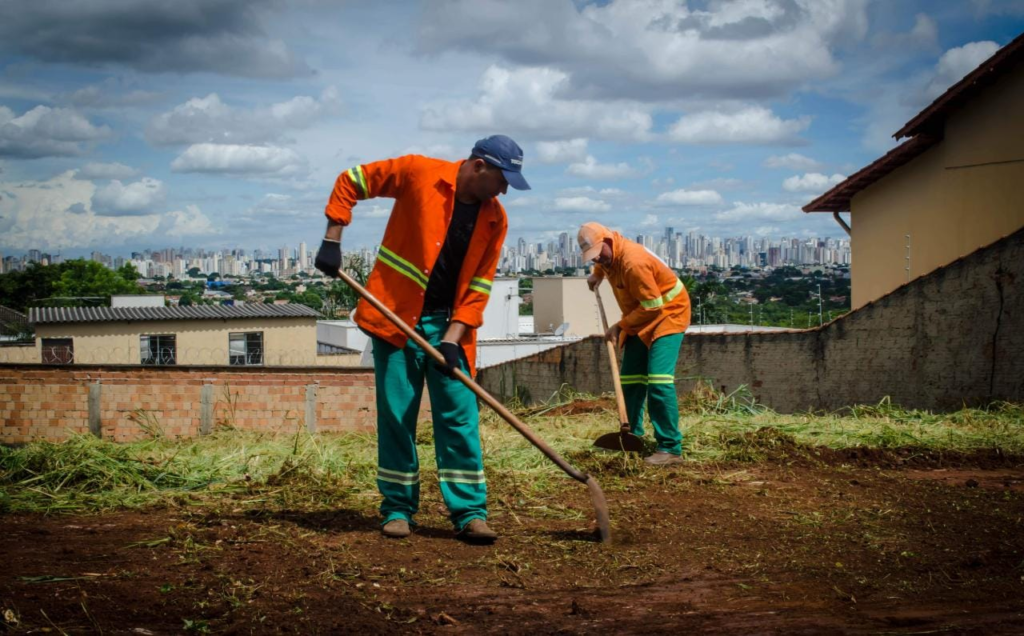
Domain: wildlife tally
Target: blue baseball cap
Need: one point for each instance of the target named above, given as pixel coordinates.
(502, 152)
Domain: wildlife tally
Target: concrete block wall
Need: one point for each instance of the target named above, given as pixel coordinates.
(952, 338)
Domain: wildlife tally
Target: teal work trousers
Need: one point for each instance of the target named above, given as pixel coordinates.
(649, 378)
(400, 375)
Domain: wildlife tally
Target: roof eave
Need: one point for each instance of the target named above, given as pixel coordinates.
(930, 119)
(838, 198)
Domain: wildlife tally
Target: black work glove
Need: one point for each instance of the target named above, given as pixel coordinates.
(328, 259)
(453, 354)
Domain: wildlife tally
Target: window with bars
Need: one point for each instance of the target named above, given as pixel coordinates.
(58, 351)
(158, 350)
(245, 349)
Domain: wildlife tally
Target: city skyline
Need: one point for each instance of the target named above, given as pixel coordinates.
(690, 250)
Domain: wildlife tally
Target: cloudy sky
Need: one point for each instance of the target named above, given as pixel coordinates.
(127, 124)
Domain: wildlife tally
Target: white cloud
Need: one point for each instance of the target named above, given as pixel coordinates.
(748, 125)
(521, 202)
(605, 193)
(209, 119)
(93, 170)
(530, 102)
(117, 199)
(792, 161)
(656, 49)
(46, 132)
(188, 222)
(57, 214)
(759, 212)
(811, 182)
(589, 168)
(238, 159)
(955, 64)
(650, 220)
(581, 204)
(689, 197)
(374, 211)
(561, 151)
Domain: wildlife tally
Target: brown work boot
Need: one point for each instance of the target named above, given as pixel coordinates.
(476, 531)
(661, 458)
(396, 529)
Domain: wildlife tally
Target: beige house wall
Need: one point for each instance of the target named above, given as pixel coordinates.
(568, 299)
(959, 195)
(10, 354)
(286, 341)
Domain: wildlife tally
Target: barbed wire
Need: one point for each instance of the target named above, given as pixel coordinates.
(175, 356)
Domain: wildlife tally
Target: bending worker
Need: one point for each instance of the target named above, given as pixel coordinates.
(655, 314)
(434, 269)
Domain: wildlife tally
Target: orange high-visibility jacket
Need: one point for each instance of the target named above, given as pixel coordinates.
(653, 300)
(424, 193)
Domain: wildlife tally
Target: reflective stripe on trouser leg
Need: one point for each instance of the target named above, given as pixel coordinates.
(662, 403)
(460, 468)
(633, 376)
(399, 377)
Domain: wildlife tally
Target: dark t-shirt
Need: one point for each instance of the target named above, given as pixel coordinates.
(440, 292)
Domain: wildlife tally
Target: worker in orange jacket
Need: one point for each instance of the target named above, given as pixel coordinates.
(655, 314)
(434, 269)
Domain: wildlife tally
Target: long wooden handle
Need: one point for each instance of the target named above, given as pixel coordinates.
(498, 407)
(620, 399)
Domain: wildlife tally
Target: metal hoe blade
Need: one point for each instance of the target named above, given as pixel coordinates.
(620, 441)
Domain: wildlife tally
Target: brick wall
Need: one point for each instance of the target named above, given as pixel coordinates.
(51, 402)
(951, 338)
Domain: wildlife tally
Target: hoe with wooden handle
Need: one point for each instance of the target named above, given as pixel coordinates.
(622, 440)
(596, 494)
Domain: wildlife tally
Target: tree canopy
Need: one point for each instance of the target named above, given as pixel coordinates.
(66, 283)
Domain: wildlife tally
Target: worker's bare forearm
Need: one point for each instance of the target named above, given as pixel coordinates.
(455, 332)
(333, 230)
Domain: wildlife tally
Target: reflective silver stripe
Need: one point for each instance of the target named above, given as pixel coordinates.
(461, 476)
(481, 285)
(358, 178)
(633, 379)
(396, 477)
(402, 266)
(667, 298)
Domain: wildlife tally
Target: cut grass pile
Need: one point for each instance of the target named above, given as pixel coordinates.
(311, 471)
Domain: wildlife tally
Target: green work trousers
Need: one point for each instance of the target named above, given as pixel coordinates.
(400, 374)
(649, 377)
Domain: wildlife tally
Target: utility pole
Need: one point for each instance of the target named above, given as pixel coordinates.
(808, 319)
(790, 317)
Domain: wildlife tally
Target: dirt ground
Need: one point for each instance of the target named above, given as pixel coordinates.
(847, 542)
